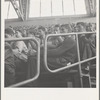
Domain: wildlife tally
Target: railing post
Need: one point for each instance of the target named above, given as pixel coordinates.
(78, 52)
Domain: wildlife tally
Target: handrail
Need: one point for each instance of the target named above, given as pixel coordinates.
(38, 59)
(73, 33)
(14, 4)
(69, 66)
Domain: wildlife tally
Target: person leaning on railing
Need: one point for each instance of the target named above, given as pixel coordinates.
(64, 53)
(9, 61)
(19, 51)
(87, 42)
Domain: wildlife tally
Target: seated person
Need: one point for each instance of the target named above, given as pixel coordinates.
(32, 51)
(66, 28)
(9, 66)
(19, 48)
(20, 54)
(64, 53)
(9, 60)
(87, 42)
(41, 33)
(57, 29)
(53, 42)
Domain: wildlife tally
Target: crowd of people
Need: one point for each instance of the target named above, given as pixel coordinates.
(20, 56)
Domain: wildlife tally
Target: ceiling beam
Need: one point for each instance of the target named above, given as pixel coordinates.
(25, 6)
(18, 11)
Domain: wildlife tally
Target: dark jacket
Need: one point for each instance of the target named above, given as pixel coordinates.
(87, 46)
(66, 52)
(9, 65)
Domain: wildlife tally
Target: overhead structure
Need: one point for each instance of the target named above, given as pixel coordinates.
(24, 5)
(18, 11)
(22, 8)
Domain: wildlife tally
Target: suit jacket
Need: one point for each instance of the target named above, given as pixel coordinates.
(9, 59)
(87, 47)
(66, 52)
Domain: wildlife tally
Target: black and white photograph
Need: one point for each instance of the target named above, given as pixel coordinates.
(50, 44)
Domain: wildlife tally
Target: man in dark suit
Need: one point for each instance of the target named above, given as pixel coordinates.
(62, 54)
(66, 51)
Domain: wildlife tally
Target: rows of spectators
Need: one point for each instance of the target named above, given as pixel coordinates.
(62, 50)
(49, 29)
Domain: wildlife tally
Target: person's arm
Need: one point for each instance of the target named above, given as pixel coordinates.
(33, 45)
(60, 39)
(66, 45)
(50, 45)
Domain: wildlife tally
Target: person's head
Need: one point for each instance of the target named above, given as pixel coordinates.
(66, 28)
(31, 32)
(9, 33)
(57, 28)
(41, 32)
(54, 40)
(81, 26)
(18, 34)
(23, 31)
(93, 27)
(88, 27)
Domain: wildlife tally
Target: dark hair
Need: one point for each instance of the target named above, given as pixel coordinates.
(31, 31)
(67, 26)
(9, 31)
(81, 23)
(42, 28)
(57, 25)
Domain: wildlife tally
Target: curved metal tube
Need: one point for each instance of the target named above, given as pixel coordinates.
(38, 60)
(69, 66)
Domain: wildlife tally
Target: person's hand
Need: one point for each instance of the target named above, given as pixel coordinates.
(32, 52)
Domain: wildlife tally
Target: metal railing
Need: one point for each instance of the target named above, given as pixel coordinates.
(68, 66)
(38, 59)
(45, 56)
(72, 65)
